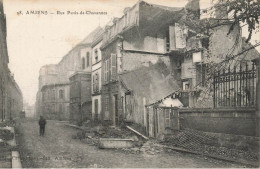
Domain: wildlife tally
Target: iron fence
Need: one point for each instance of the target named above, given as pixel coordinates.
(235, 86)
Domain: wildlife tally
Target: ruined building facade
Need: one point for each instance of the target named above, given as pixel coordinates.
(11, 98)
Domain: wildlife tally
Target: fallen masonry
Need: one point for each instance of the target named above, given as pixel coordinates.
(115, 143)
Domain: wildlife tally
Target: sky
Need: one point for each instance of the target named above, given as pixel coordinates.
(37, 40)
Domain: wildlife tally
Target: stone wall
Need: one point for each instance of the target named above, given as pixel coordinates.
(236, 121)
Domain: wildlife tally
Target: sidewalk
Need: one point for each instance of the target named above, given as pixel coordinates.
(9, 157)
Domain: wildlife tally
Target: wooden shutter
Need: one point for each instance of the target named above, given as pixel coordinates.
(113, 67)
(107, 71)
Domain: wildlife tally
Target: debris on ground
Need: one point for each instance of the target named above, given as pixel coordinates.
(6, 134)
(92, 134)
(7, 123)
(96, 166)
(199, 141)
(152, 147)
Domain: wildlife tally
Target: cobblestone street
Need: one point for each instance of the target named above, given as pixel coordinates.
(58, 149)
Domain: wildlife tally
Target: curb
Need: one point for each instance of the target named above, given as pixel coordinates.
(16, 160)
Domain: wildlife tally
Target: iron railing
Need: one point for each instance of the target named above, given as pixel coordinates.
(235, 86)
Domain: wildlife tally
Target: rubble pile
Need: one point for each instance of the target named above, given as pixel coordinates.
(151, 147)
(7, 123)
(6, 134)
(91, 136)
(198, 141)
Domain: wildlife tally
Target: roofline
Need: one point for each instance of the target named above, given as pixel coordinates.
(79, 72)
(55, 84)
(97, 41)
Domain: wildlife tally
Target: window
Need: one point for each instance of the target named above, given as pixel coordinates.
(96, 55)
(61, 94)
(186, 85)
(96, 82)
(60, 108)
(87, 59)
(83, 63)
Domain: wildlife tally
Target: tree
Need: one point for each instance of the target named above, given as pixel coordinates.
(243, 11)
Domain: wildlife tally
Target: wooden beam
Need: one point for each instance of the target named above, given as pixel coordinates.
(137, 132)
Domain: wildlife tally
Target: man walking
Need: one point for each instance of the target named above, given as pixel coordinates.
(42, 123)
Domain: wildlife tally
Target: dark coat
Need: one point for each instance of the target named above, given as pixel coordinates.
(42, 122)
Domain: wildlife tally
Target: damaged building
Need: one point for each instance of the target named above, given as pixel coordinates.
(11, 97)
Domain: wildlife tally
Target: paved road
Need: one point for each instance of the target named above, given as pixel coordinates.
(58, 149)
